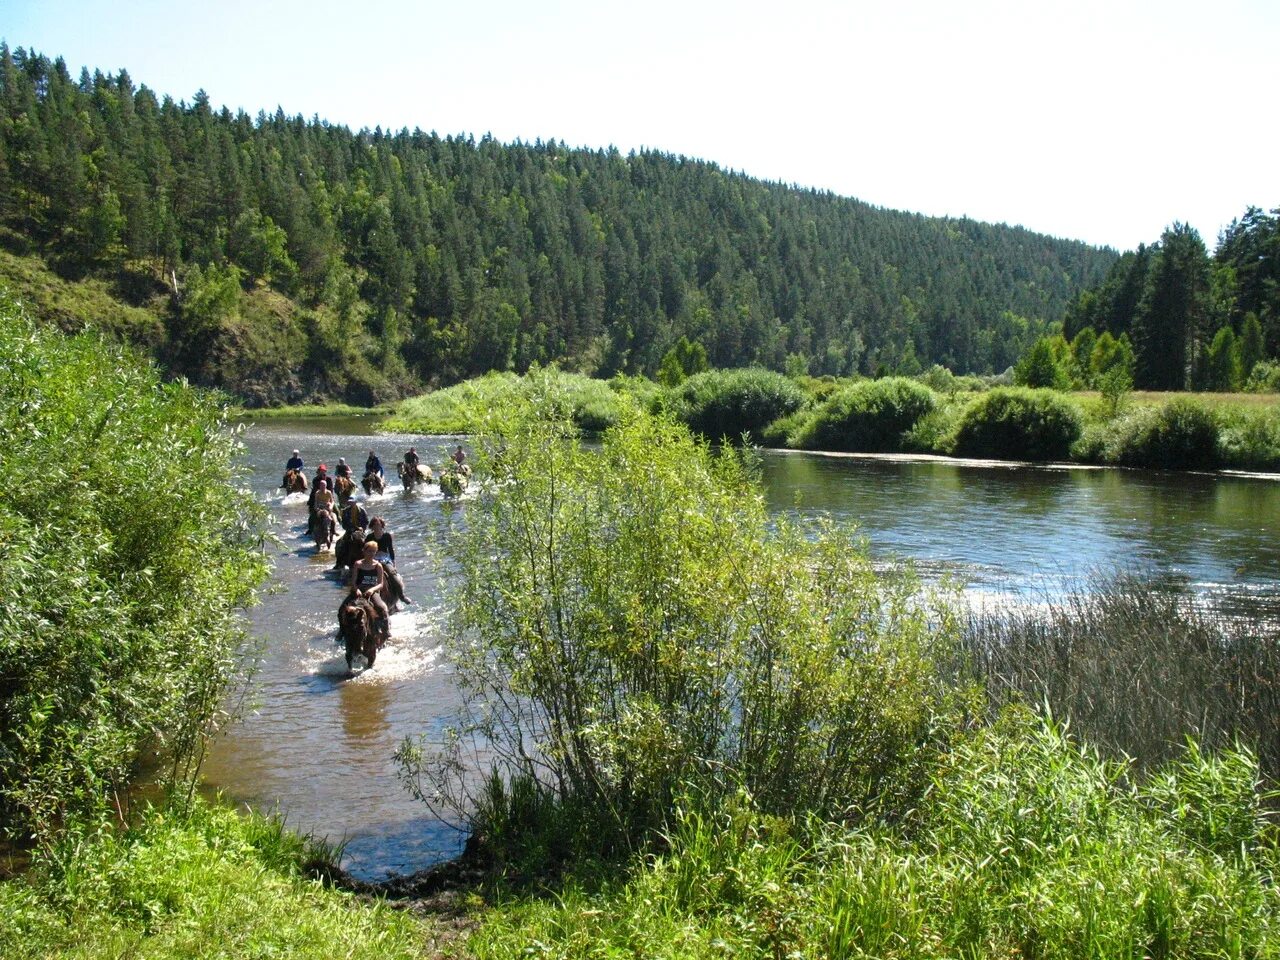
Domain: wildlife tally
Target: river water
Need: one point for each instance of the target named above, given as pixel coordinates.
(317, 746)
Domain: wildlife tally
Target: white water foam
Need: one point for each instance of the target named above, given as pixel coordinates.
(409, 653)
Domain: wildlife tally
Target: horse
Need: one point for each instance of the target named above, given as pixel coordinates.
(323, 528)
(409, 478)
(373, 483)
(348, 550)
(295, 481)
(363, 629)
(344, 487)
(454, 479)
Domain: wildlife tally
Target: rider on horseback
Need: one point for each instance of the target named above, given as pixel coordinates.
(354, 517)
(369, 581)
(374, 465)
(343, 469)
(295, 463)
(386, 555)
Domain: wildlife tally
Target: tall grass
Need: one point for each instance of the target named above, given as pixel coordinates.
(1135, 667)
(1027, 844)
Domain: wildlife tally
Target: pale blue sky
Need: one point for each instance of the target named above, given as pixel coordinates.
(1102, 120)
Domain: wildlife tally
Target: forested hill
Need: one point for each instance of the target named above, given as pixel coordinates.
(289, 259)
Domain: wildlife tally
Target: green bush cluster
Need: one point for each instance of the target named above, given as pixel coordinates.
(871, 416)
(1017, 423)
(461, 409)
(720, 404)
(1179, 435)
(126, 551)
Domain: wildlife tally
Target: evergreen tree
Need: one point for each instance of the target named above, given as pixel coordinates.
(1168, 322)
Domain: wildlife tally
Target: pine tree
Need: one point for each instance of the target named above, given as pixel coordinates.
(1167, 325)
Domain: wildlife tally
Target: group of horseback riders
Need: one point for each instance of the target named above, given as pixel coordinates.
(365, 554)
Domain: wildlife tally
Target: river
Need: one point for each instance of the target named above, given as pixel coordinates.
(317, 746)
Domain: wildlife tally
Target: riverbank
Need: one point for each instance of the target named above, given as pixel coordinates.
(211, 882)
(314, 411)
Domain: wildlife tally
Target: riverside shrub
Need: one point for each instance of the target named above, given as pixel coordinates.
(127, 552)
(720, 404)
(871, 416)
(1179, 435)
(630, 625)
(1017, 423)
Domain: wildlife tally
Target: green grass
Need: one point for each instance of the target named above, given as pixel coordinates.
(209, 884)
(75, 305)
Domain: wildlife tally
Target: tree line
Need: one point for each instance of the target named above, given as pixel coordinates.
(1174, 316)
(294, 259)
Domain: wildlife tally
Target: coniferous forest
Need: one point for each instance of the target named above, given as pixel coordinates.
(289, 260)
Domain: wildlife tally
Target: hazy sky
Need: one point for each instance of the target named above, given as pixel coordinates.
(1102, 120)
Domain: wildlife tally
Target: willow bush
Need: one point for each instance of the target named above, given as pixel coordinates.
(127, 551)
(726, 404)
(630, 626)
(1018, 423)
(872, 416)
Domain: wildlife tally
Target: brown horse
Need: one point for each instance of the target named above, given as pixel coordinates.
(364, 630)
(295, 481)
(373, 483)
(344, 487)
(324, 528)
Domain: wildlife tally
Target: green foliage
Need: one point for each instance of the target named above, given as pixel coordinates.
(1028, 845)
(1181, 435)
(1043, 365)
(1222, 362)
(655, 633)
(1135, 667)
(1111, 353)
(205, 883)
(1018, 423)
(462, 408)
(875, 415)
(1250, 439)
(682, 361)
(1114, 384)
(128, 552)
(1264, 377)
(722, 404)
(1251, 346)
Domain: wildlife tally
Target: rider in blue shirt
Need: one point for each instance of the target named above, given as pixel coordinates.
(295, 462)
(374, 465)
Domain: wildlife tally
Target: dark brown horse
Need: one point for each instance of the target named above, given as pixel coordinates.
(344, 487)
(295, 481)
(324, 528)
(364, 630)
(373, 483)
